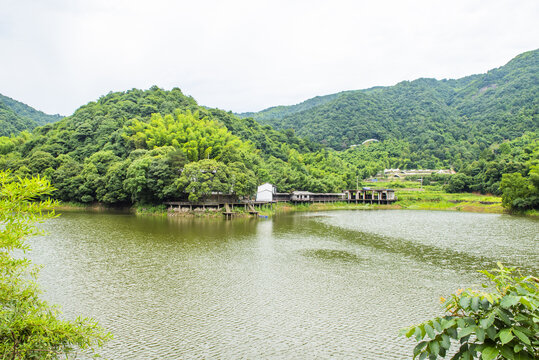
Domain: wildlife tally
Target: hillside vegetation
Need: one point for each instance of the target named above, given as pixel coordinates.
(16, 117)
(453, 120)
(149, 146)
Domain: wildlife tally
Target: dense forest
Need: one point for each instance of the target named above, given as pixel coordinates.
(149, 146)
(16, 117)
(453, 120)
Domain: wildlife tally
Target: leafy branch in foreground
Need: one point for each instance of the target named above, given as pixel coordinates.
(500, 325)
(30, 328)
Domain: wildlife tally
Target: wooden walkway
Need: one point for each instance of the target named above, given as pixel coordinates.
(228, 214)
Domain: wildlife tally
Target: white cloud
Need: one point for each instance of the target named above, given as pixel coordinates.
(248, 55)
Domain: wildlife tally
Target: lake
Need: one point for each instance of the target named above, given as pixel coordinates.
(336, 284)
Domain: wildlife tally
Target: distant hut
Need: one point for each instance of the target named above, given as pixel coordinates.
(301, 196)
(265, 192)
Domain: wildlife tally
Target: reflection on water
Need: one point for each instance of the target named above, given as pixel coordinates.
(331, 255)
(334, 284)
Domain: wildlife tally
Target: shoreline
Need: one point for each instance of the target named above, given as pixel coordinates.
(444, 203)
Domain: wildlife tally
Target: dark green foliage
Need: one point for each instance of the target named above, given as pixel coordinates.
(451, 120)
(278, 112)
(521, 193)
(16, 117)
(485, 174)
(459, 183)
(498, 325)
(11, 123)
(134, 146)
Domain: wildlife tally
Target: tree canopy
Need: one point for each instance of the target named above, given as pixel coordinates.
(134, 146)
(30, 327)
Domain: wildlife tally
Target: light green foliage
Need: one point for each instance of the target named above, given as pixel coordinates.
(520, 182)
(474, 125)
(242, 180)
(199, 138)
(29, 327)
(99, 155)
(520, 193)
(516, 156)
(202, 178)
(488, 325)
(206, 177)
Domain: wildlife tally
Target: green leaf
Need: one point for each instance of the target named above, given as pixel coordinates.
(485, 304)
(475, 303)
(492, 333)
(434, 347)
(524, 301)
(480, 334)
(525, 331)
(418, 333)
(465, 302)
(505, 336)
(486, 323)
(408, 333)
(518, 347)
(442, 352)
(448, 324)
(521, 318)
(466, 331)
(509, 301)
(503, 316)
(522, 337)
(419, 347)
(507, 352)
(478, 347)
(430, 331)
(437, 325)
(446, 342)
(523, 355)
(452, 332)
(489, 353)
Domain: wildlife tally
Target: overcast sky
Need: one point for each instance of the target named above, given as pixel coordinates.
(57, 55)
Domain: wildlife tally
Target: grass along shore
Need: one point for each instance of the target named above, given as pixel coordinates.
(408, 198)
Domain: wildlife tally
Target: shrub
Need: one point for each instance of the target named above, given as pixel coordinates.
(499, 325)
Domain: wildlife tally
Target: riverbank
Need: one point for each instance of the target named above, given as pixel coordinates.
(410, 199)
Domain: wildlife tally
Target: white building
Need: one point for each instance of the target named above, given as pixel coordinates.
(265, 192)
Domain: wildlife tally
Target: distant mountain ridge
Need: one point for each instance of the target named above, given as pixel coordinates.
(16, 116)
(485, 108)
(283, 110)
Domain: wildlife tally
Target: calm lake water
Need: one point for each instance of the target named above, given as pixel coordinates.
(334, 284)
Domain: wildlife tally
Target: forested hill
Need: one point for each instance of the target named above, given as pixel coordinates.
(153, 145)
(278, 112)
(149, 146)
(430, 114)
(16, 116)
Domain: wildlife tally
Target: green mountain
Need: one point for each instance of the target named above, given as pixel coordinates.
(16, 117)
(278, 112)
(149, 146)
(440, 117)
(153, 145)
